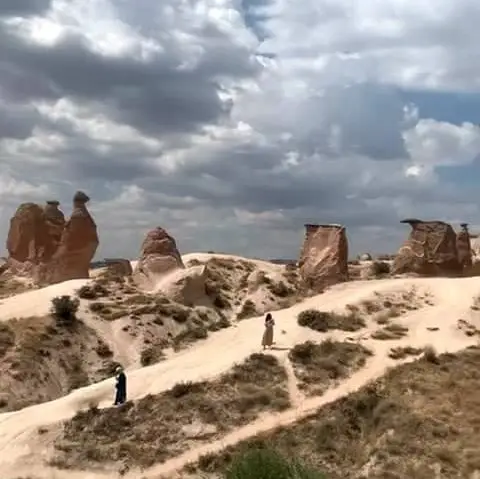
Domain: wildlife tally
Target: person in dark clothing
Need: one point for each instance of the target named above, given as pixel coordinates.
(120, 386)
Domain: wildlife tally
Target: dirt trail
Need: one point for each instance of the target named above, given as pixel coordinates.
(22, 451)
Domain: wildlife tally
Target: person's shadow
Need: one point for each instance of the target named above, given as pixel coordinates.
(279, 348)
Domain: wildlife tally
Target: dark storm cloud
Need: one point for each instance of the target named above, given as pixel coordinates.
(23, 7)
(17, 122)
(121, 163)
(156, 96)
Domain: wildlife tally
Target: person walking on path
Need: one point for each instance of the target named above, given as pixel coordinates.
(267, 339)
(120, 386)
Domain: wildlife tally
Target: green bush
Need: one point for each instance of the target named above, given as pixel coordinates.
(64, 309)
(268, 464)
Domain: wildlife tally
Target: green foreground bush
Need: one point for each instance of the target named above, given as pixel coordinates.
(268, 464)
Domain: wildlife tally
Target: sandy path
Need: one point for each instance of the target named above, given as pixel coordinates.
(220, 351)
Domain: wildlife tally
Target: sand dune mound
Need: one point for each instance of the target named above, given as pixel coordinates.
(327, 346)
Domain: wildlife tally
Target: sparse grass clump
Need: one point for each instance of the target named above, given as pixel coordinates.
(318, 365)
(390, 332)
(159, 427)
(64, 309)
(268, 464)
(323, 321)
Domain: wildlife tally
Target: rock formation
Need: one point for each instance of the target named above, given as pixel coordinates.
(324, 256)
(55, 223)
(48, 249)
(464, 249)
(159, 255)
(28, 241)
(77, 246)
(430, 250)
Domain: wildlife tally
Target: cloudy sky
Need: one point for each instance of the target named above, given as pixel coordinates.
(231, 123)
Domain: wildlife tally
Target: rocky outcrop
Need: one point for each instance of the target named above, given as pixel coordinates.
(324, 256)
(159, 255)
(430, 250)
(42, 245)
(464, 249)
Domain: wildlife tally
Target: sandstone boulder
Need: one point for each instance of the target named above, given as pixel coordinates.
(324, 256)
(159, 255)
(430, 250)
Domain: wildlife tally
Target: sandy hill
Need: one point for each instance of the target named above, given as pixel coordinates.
(200, 386)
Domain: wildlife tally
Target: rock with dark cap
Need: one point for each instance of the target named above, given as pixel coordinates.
(80, 197)
(77, 246)
(430, 250)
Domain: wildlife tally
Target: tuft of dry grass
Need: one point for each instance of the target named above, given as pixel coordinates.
(162, 426)
(323, 321)
(420, 418)
(317, 366)
(390, 332)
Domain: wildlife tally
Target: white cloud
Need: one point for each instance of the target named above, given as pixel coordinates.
(433, 143)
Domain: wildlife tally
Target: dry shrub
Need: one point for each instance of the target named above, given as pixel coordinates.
(64, 309)
(401, 352)
(318, 365)
(380, 269)
(323, 321)
(249, 310)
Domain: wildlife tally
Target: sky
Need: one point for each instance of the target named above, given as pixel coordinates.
(232, 123)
